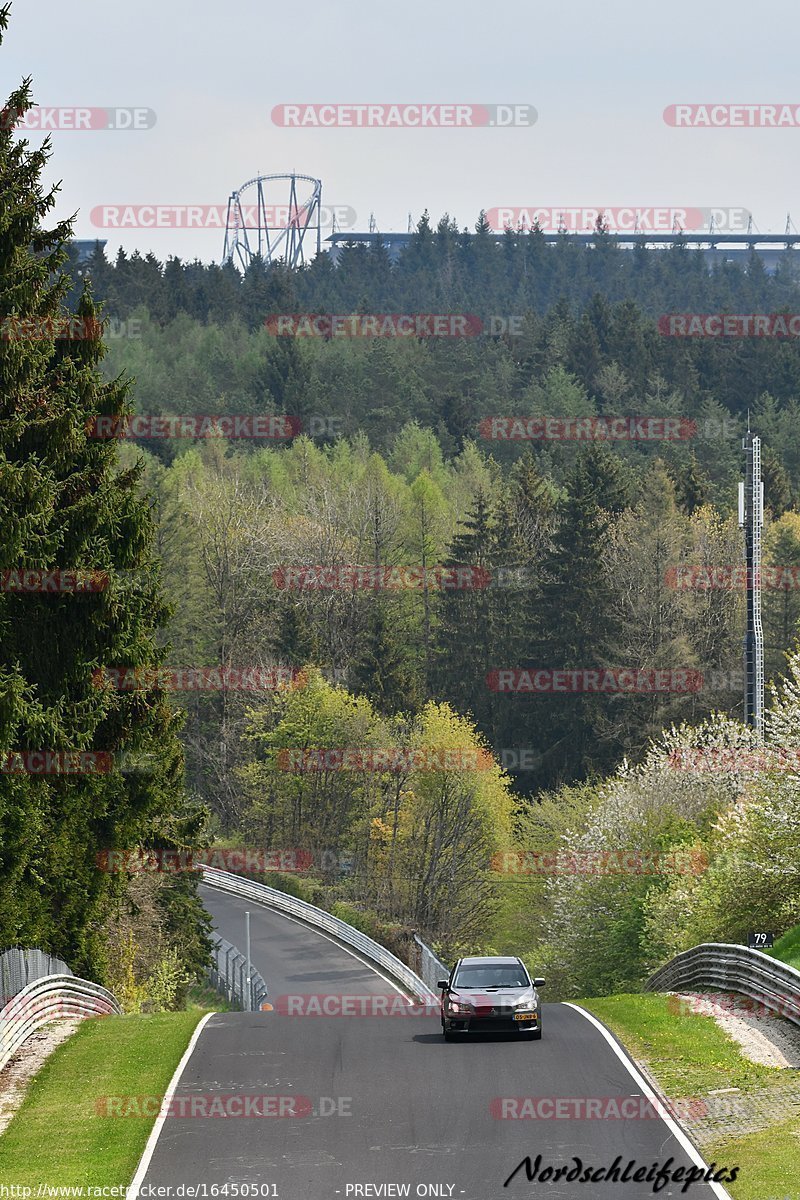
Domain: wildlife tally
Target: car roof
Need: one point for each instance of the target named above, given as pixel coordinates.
(495, 961)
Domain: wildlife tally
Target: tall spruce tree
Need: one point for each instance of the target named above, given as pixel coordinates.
(65, 505)
(576, 630)
(691, 485)
(465, 653)
(383, 667)
(777, 488)
(600, 476)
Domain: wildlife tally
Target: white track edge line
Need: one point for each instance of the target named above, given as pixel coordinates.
(308, 925)
(144, 1161)
(669, 1121)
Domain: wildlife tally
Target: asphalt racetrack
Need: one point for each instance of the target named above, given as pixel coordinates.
(377, 1104)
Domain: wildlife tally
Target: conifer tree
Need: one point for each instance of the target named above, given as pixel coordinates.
(602, 478)
(383, 667)
(67, 506)
(777, 489)
(465, 653)
(576, 632)
(691, 486)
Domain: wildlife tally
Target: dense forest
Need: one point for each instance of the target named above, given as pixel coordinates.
(382, 583)
(584, 555)
(396, 465)
(586, 342)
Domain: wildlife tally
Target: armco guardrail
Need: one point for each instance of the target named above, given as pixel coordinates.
(228, 976)
(51, 998)
(728, 968)
(319, 919)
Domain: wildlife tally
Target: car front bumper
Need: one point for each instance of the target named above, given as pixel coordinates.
(492, 1023)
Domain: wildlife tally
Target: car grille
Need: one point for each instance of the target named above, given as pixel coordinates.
(493, 1024)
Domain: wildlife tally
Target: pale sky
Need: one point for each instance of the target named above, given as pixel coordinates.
(599, 75)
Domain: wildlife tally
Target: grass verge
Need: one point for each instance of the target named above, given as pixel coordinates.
(204, 997)
(787, 948)
(689, 1056)
(770, 1162)
(57, 1138)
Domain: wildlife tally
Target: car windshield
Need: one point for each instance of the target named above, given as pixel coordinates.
(500, 975)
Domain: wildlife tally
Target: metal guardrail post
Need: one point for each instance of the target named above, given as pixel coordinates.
(229, 973)
(233, 980)
(249, 998)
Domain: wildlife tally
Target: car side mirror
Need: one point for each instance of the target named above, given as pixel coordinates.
(443, 984)
(537, 983)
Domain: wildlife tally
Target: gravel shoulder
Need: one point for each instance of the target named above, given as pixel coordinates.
(20, 1070)
(762, 1038)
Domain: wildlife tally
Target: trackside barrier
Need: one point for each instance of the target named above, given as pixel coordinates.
(728, 968)
(228, 976)
(369, 949)
(51, 998)
(431, 968)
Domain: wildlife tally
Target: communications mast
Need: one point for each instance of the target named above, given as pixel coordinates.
(751, 520)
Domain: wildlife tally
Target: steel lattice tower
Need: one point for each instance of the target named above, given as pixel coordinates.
(751, 518)
(269, 225)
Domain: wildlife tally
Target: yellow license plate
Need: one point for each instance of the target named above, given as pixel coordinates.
(524, 1016)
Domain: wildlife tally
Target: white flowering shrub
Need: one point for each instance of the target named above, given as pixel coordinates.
(699, 842)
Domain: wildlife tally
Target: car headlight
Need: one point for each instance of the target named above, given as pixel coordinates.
(460, 1006)
(527, 1004)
